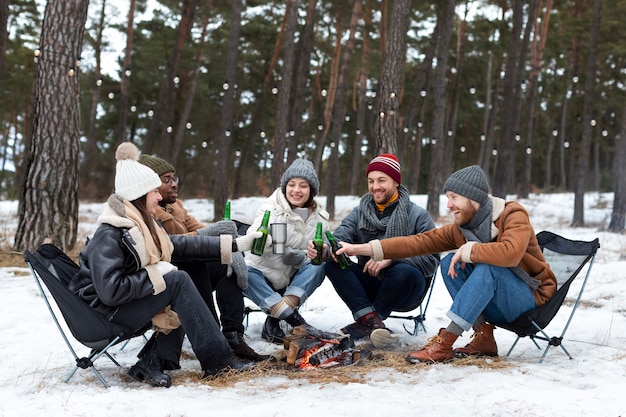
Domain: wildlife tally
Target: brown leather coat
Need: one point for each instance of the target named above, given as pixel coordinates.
(515, 244)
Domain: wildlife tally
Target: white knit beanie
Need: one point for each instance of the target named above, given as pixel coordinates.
(132, 179)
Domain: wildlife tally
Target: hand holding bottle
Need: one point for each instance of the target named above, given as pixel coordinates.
(245, 242)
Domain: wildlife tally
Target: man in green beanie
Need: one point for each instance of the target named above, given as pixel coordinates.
(227, 281)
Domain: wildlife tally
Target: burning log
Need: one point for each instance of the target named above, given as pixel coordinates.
(309, 347)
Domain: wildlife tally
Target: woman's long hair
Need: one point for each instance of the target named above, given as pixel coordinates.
(148, 219)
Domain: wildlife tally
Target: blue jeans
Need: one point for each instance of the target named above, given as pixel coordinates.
(402, 288)
(493, 291)
(303, 283)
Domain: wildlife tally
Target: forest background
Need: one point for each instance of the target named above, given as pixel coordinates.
(231, 92)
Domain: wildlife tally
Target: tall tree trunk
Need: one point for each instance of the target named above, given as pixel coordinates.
(438, 176)
(391, 77)
(125, 79)
(339, 112)
(536, 57)
(183, 121)
(93, 182)
(618, 215)
(244, 169)
(284, 92)
(49, 197)
(356, 174)
(504, 177)
(223, 162)
(417, 108)
(163, 117)
(4, 31)
(585, 145)
(456, 89)
(301, 76)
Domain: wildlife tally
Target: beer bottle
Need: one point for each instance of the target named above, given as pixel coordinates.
(343, 260)
(258, 245)
(318, 242)
(227, 211)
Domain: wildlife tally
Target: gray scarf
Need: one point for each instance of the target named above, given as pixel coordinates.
(395, 225)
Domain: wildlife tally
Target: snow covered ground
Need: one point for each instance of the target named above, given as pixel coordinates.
(34, 360)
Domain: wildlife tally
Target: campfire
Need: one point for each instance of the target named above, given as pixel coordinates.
(309, 348)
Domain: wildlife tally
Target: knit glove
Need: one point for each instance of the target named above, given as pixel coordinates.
(240, 269)
(293, 257)
(244, 243)
(223, 227)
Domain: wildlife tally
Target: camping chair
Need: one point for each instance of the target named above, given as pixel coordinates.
(418, 320)
(48, 264)
(567, 258)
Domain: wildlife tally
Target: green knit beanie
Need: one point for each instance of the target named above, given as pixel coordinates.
(158, 165)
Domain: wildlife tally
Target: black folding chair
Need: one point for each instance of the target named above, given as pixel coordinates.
(567, 258)
(418, 320)
(50, 265)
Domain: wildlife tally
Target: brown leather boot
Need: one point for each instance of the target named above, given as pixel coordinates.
(364, 326)
(438, 349)
(482, 343)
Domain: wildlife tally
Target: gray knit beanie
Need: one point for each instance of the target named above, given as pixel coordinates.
(470, 182)
(301, 168)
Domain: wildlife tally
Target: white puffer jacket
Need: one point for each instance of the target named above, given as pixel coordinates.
(299, 234)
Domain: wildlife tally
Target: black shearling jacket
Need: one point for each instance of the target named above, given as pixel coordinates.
(111, 273)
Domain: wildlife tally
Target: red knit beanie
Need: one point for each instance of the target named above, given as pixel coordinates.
(387, 163)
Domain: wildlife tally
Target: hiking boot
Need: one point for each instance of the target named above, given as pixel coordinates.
(241, 349)
(295, 319)
(231, 363)
(438, 349)
(481, 344)
(364, 326)
(272, 332)
(149, 367)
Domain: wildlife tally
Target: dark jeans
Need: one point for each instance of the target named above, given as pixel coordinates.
(207, 341)
(207, 277)
(211, 276)
(401, 290)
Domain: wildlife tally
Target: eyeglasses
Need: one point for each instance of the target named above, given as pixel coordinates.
(169, 180)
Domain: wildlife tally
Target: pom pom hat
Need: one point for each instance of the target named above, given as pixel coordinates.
(132, 179)
(470, 182)
(301, 168)
(387, 163)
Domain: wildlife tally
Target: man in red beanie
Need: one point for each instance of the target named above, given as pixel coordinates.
(374, 289)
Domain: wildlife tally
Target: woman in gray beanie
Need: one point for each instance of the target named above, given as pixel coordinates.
(496, 273)
(280, 283)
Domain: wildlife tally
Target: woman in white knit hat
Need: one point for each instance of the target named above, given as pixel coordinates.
(126, 274)
(280, 283)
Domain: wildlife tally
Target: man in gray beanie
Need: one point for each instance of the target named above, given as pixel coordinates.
(494, 273)
(227, 281)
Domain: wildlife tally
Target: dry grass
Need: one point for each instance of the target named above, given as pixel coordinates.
(371, 360)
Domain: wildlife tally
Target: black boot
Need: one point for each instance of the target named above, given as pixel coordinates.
(295, 319)
(272, 332)
(241, 349)
(149, 367)
(231, 363)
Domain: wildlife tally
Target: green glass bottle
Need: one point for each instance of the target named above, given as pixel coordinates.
(318, 242)
(258, 245)
(227, 211)
(343, 260)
